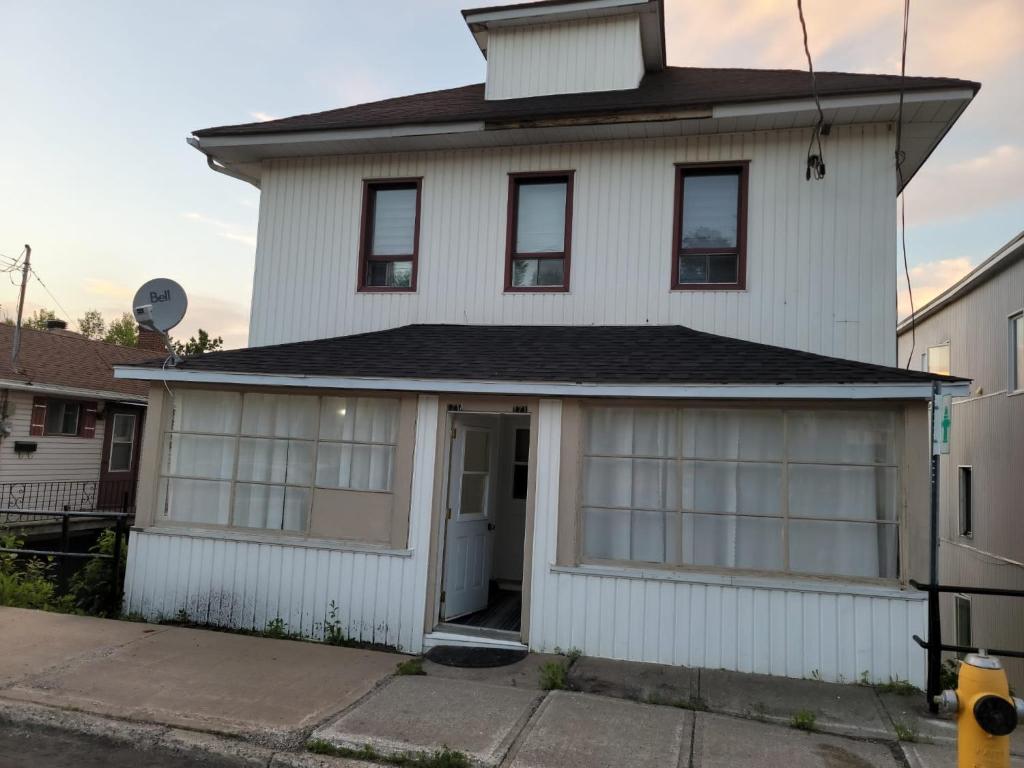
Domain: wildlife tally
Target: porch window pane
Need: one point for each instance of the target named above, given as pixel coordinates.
(843, 437)
(359, 419)
(725, 486)
(204, 411)
(606, 534)
(843, 549)
(200, 456)
(279, 415)
(195, 501)
(852, 493)
(354, 467)
(275, 461)
(730, 541)
(720, 433)
(271, 507)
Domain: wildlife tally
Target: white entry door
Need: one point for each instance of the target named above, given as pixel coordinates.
(470, 513)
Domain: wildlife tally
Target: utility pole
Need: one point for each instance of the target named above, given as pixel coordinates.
(16, 342)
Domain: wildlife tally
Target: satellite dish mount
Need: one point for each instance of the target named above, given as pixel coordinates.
(159, 305)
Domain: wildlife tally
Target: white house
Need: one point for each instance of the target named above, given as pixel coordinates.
(575, 357)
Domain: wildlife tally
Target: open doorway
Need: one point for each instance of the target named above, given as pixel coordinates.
(485, 523)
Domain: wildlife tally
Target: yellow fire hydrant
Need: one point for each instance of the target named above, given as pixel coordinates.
(986, 714)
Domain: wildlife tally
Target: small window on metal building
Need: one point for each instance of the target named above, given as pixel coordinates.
(938, 359)
(966, 506)
(962, 621)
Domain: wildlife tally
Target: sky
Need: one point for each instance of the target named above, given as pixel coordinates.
(97, 99)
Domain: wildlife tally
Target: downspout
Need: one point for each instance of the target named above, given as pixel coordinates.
(194, 143)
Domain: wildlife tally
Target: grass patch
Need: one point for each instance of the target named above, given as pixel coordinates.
(803, 720)
(553, 676)
(440, 758)
(899, 687)
(905, 732)
(412, 666)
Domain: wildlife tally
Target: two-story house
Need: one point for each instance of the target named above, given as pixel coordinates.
(575, 357)
(976, 327)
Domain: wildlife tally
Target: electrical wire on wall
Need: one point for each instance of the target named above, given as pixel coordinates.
(901, 156)
(815, 159)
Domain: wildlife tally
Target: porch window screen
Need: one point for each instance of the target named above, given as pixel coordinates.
(253, 461)
(802, 491)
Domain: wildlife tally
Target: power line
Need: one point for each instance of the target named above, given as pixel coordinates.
(67, 315)
(815, 162)
(900, 157)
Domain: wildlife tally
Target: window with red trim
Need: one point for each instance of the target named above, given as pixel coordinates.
(389, 245)
(539, 231)
(709, 241)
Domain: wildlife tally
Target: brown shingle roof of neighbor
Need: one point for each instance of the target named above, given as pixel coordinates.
(594, 354)
(673, 87)
(64, 359)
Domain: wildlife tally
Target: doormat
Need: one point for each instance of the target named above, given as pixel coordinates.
(459, 656)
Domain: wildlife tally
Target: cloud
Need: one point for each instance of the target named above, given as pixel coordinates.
(262, 117)
(224, 229)
(218, 317)
(965, 187)
(928, 280)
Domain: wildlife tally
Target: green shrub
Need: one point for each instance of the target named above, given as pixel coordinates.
(29, 582)
(90, 587)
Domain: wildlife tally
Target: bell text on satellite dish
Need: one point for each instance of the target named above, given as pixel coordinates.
(159, 304)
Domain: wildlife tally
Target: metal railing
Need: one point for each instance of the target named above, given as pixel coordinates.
(934, 645)
(22, 502)
(64, 554)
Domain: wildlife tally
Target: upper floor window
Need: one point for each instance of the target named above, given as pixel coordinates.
(938, 359)
(709, 241)
(539, 231)
(390, 240)
(1017, 352)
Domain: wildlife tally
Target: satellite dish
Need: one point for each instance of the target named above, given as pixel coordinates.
(159, 305)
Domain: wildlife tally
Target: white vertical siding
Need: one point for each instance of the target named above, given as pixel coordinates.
(820, 254)
(601, 54)
(56, 457)
(788, 629)
(377, 596)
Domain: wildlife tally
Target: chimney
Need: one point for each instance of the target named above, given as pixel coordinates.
(56, 325)
(151, 340)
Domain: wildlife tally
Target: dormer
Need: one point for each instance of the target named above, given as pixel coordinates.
(568, 46)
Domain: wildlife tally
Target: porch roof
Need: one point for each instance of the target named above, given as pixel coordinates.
(510, 356)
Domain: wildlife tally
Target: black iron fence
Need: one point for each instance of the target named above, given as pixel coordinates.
(24, 502)
(64, 555)
(934, 645)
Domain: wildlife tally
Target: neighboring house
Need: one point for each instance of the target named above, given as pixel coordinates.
(71, 432)
(977, 328)
(573, 358)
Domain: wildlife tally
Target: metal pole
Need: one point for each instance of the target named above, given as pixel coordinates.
(16, 341)
(65, 545)
(115, 581)
(934, 619)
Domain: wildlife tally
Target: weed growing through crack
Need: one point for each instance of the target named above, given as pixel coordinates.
(803, 720)
(412, 666)
(694, 703)
(905, 732)
(440, 758)
(553, 676)
(899, 687)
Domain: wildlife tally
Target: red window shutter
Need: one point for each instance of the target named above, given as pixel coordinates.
(87, 420)
(37, 425)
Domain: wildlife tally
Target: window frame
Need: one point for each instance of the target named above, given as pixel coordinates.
(238, 435)
(965, 501)
(899, 523)
(1013, 385)
(958, 601)
(682, 170)
(512, 224)
(50, 402)
(949, 358)
(114, 441)
(366, 257)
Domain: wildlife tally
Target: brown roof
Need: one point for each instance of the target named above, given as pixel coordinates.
(64, 359)
(671, 88)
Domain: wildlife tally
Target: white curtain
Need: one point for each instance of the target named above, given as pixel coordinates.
(195, 501)
(394, 222)
(540, 220)
(198, 410)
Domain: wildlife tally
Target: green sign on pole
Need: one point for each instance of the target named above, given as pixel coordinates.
(942, 424)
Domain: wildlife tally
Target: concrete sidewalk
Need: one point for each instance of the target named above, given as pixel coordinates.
(257, 701)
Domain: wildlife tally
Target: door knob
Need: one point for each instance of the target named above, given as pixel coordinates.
(490, 526)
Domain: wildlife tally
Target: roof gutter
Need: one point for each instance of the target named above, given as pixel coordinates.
(194, 143)
(916, 390)
(77, 392)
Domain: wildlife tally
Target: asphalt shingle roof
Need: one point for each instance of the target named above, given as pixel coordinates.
(65, 359)
(673, 87)
(648, 354)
